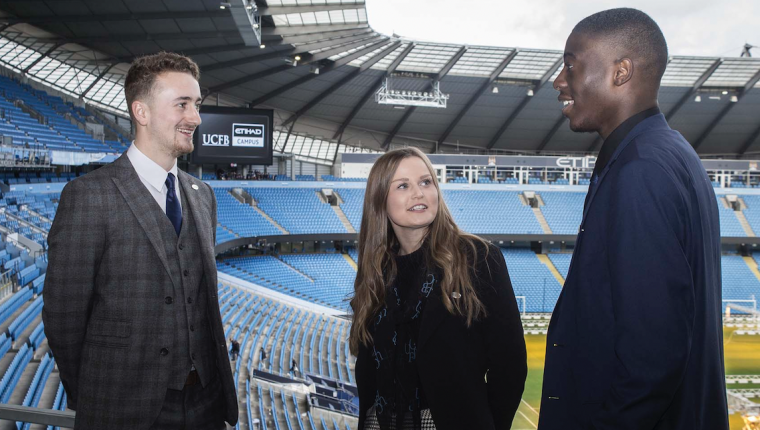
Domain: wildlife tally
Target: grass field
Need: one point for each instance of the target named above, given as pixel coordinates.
(742, 356)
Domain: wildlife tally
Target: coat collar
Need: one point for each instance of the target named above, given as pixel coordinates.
(143, 206)
(652, 123)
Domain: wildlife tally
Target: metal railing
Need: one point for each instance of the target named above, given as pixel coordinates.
(27, 414)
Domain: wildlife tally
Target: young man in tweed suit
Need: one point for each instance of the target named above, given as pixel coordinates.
(131, 312)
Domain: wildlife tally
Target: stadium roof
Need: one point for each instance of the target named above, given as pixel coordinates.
(322, 64)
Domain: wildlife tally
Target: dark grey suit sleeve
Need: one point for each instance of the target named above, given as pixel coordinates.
(76, 243)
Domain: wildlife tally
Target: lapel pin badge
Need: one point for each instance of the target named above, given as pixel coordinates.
(456, 295)
(195, 187)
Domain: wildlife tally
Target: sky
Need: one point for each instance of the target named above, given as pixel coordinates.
(692, 27)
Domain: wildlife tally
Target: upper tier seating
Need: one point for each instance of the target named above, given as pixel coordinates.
(491, 212)
(298, 210)
(563, 211)
(57, 132)
(241, 218)
(332, 178)
(353, 204)
(729, 224)
(752, 212)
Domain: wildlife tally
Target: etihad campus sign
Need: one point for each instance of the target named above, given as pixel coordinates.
(243, 135)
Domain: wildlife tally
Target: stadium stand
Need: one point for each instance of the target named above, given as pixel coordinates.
(239, 218)
(289, 311)
(333, 276)
(562, 262)
(352, 206)
(563, 211)
(51, 129)
(491, 212)
(752, 212)
(315, 341)
(531, 280)
(332, 178)
(729, 224)
(299, 211)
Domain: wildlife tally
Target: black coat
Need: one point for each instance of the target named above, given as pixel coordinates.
(453, 360)
(636, 340)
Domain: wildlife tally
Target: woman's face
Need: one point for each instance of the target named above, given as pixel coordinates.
(413, 198)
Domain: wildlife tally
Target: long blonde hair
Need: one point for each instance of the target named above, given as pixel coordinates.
(447, 249)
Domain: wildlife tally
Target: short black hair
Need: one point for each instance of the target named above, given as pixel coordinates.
(635, 32)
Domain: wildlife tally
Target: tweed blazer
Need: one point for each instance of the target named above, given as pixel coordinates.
(107, 317)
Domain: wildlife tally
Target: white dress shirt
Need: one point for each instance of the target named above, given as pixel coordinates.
(153, 176)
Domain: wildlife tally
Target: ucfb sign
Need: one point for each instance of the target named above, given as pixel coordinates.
(577, 162)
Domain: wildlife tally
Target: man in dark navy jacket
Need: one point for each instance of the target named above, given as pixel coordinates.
(636, 338)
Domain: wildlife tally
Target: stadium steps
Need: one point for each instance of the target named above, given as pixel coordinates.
(752, 264)
(227, 229)
(543, 258)
(318, 414)
(5, 324)
(744, 223)
(24, 337)
(244, 197)
(351, 261)
(6, 292)
(42, 218)
(281, 409)
(24, 223)
(22, 386)
(48, 396)
(32, 112)
(266, 403)
(542, 221)
(290, 409)
(104, 119)
(305, 275)
(343, 218)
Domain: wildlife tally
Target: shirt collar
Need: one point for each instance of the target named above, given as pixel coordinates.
(148, 169)
(617, 136)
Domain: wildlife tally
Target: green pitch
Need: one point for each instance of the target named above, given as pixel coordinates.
(742, 355)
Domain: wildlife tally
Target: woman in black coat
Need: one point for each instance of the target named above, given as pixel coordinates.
(436, 329)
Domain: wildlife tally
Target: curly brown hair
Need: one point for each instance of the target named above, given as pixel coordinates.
(144, 70)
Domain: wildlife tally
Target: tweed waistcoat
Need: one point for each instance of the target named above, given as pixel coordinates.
(194, 343)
